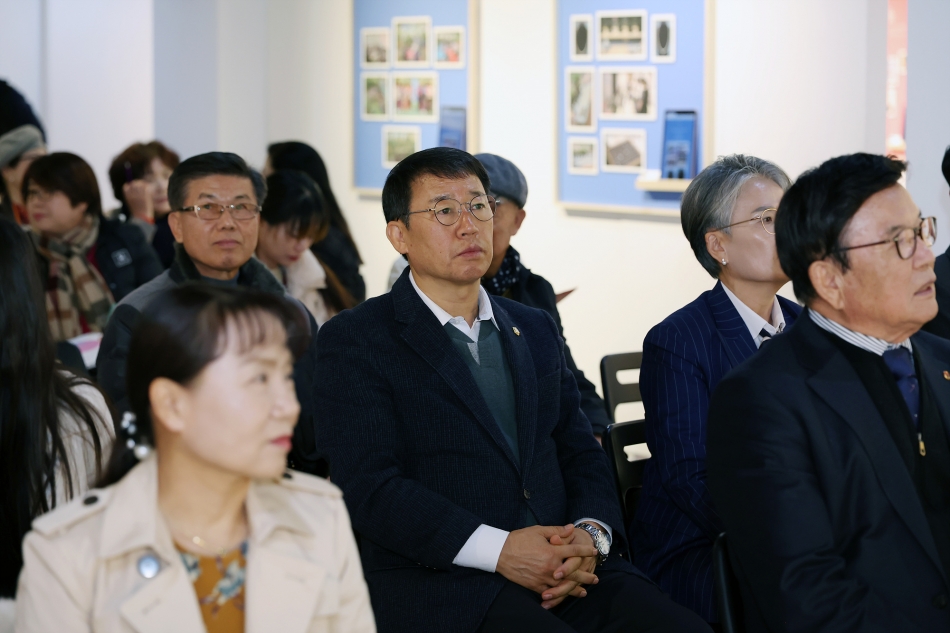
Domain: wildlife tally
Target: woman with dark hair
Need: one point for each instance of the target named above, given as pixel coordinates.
(294, 216)
(139, 177)
(87, 262)
(54, 427)
(199, 526)
(337, 250)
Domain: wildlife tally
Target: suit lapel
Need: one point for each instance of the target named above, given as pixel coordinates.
(285, 585)
(730, 327)
(164, 603)
(933, 372)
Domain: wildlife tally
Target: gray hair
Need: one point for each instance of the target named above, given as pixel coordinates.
(711, 198)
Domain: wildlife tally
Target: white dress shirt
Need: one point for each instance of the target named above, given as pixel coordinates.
(483, 548)
(754, 322)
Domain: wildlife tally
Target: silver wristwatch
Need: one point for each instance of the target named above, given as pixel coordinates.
(600, 538)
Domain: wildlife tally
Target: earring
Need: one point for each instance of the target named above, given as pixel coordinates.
(723, 261)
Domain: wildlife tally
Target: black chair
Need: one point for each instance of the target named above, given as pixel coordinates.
(616, 392)
(728, 597)
(627, 474)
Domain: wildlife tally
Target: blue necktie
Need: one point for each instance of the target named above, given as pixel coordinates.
(766, 336)
(901, 363)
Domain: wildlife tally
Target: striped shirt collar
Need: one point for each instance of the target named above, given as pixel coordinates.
(867, 343)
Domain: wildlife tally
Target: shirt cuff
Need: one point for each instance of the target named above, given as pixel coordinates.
(482, 549)
(610, 532)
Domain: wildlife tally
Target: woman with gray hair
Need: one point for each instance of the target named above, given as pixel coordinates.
(728, 216)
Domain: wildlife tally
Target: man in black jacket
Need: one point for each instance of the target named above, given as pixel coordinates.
(215, 200)
(508, 277)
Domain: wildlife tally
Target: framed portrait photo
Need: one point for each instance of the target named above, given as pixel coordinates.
(582, 158)
(374, 47)
(621, 35)
(579, 99)
(415, 97)
(663, 38)
(412, 42)
(374, 96)
(628, 93)
(449, 45)
(399, 141)
(623, 150)
(582, 38)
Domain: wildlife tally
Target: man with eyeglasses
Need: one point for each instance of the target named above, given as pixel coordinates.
(215, 200)
(828, 453)
(452, 424)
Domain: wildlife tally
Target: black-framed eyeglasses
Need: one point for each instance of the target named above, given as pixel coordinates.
(766, 217)
(906, 240)
(449, 210)
(212, 211)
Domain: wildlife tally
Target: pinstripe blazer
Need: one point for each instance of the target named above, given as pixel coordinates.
(684, 358)
(422, 462)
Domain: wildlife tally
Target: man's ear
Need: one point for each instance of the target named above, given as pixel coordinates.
(715, 246)
(174, 223)
(397, 233)
(167, 399)
(519, 218)
(827, 279)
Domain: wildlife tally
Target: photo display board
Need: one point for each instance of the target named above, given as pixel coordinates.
(412, 86)
(622, 66)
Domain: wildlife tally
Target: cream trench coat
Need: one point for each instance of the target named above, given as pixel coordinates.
(84, 572)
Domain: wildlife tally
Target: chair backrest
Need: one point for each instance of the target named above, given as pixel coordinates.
(616, 392)
(729, 600)
(627, 464)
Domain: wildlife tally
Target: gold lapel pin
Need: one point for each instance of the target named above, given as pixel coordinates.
(946, 374)
(518, 333)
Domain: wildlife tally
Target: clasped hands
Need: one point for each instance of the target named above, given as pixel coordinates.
(553, 561)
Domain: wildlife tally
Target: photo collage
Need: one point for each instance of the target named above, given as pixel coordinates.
(599, 92)
(399, 78)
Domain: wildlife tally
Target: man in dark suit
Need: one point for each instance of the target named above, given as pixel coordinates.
(940, 325)
(452, 424)
(828, 453)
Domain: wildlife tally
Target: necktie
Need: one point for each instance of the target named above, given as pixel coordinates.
(901, 363)
(766, 337)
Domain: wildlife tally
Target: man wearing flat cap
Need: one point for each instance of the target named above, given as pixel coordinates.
(941, 323)
(18, 149)
(508, 277)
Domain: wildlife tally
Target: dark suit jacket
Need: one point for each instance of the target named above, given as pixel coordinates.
(826, 529)
(684, 358)
(941, 323)
(422, 462)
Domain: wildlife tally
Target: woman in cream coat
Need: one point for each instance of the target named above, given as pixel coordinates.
(205, 531)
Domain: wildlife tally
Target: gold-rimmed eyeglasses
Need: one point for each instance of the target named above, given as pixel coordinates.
(766, 217)
(906, 239)
(448, 210)
(212, 211)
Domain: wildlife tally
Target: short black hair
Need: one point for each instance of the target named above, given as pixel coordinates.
(68, 173)
(211, 164)
(816, 209)
(293, 198)
(441, 162)
(945, 166)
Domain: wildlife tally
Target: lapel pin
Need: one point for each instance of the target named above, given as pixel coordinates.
(518, 333)
(946, 374)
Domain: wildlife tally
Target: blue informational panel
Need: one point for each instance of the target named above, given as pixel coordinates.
(621, 66)
(411, 65)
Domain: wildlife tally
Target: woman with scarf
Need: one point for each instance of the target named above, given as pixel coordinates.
(87, 262)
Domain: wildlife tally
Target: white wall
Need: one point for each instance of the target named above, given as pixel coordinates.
(21, 45)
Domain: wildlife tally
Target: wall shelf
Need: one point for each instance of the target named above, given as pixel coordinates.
(663, 185)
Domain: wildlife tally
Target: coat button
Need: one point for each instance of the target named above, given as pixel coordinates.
(149, 566)
(91, 499)
(527, 495)
(941, 601)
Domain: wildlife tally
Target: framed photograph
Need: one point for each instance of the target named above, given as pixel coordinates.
(374, 47)
(415, 97)
(374, 96)
(579, 99)
(663, 38)
(623, 150)
(449, 47)
(622, 35)
(628, 93)
(412, 42)
(582, 38)
(582, 159)
(399, 141)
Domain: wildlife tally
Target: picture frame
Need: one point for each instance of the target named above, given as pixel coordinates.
(623, 150)
(663, 38)
(582, 156)
(415, 97)
(375, 89)
(448, 47)
(399, 141)
(582, 37)
(579, 99)
(412, 42)
(627, 93)
(375, 48)
(621, 35)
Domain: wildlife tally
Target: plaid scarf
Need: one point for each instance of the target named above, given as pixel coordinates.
(507, 275)
(74, 288)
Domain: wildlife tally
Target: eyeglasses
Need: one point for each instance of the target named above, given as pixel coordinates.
(448, 211)
(213, 211)
(767, 218)
(906, 240)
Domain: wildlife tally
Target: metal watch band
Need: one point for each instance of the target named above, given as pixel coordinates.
(599, 537)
